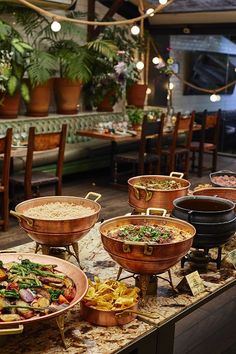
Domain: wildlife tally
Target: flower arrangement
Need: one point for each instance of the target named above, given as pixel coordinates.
(5, 69)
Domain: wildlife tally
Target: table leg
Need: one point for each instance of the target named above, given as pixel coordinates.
(165, 339)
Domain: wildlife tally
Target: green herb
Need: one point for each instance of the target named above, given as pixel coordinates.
(55, 294)
(10, 293)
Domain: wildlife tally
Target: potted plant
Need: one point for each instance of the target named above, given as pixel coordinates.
(75, 63)
(40, 67)
(110, 78)
(135, 116)
(13, 56)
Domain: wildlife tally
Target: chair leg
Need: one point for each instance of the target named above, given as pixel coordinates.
(214, 160)
(193, 160)
(200, 163)
(58, 190)
(186, 164)
(5, 210)
(115, 173)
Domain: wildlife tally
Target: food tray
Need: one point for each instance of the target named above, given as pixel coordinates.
(222, 173)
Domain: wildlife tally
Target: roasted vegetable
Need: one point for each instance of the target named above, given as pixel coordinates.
(3, 274)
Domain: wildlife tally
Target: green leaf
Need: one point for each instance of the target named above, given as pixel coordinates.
(25, 92)
(12, 85)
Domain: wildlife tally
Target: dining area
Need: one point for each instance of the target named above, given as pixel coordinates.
(159, 146)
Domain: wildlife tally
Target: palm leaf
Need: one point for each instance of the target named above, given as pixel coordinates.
(104, 47)
(41, 67)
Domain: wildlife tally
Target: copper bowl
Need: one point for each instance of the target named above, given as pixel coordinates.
(109, 317)
(142, 198)
(57, 232)
(76, 274)
(221, 192)
(142, 257)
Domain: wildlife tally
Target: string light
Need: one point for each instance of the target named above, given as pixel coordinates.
(135, 30)
(55, 26)
(140, 65)
(150, 12)
(163, 2)
(213, 98)
(148, 91)
(156, 60)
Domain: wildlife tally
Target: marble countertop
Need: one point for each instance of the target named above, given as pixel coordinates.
(82, 337)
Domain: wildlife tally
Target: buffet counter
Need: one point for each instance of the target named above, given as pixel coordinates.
(143, 335)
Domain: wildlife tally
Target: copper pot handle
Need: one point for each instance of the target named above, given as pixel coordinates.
(140, 313)
(7, 331)
(176, 174)
(21, 217)
(157, 211)
(97, 195)
(137, 189)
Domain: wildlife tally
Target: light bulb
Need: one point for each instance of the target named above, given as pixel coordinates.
(150, 12)
(171, 86)
(163, 2)
(213, 98)
(135, 30)
(148, 91)
(140, 65)
(218, 98)
(156, 60)
(55, 26)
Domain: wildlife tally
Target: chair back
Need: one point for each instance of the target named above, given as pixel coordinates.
(210, 128)
(5, 150)
(185, 125)
(152, 131)
(43, 142)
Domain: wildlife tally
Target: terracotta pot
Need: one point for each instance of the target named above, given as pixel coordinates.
(40, 97)
(136, 95)
(10, 105)
(106, 105)
(67, 95)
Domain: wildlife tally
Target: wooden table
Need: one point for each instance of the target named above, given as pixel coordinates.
(152, 337)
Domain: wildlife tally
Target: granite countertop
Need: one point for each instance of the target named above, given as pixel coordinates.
(82, 337)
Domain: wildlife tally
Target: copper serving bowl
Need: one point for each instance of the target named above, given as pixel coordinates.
(76, 274)
(142, 257)
(57, 232)
(141, 198)
(108, 317)
(221, 192)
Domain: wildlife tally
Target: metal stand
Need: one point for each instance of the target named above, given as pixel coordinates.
(46, 250)
(201, 258)
(145, 283)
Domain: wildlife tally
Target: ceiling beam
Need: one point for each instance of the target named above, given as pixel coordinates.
(192, 29)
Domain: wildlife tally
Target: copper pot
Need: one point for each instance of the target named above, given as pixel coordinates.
(142, 257)
(57, 232)
(76, 274)
(142, 198)
(109, 317)
(226, 193)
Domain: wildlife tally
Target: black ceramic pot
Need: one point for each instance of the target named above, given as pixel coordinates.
(214, 219)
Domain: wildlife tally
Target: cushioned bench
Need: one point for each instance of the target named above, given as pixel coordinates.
(81, 154)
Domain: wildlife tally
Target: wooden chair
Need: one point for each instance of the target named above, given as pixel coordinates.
(175, 150)
(32, 180)
(207, 142)
(5, 151)
(149, 150)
